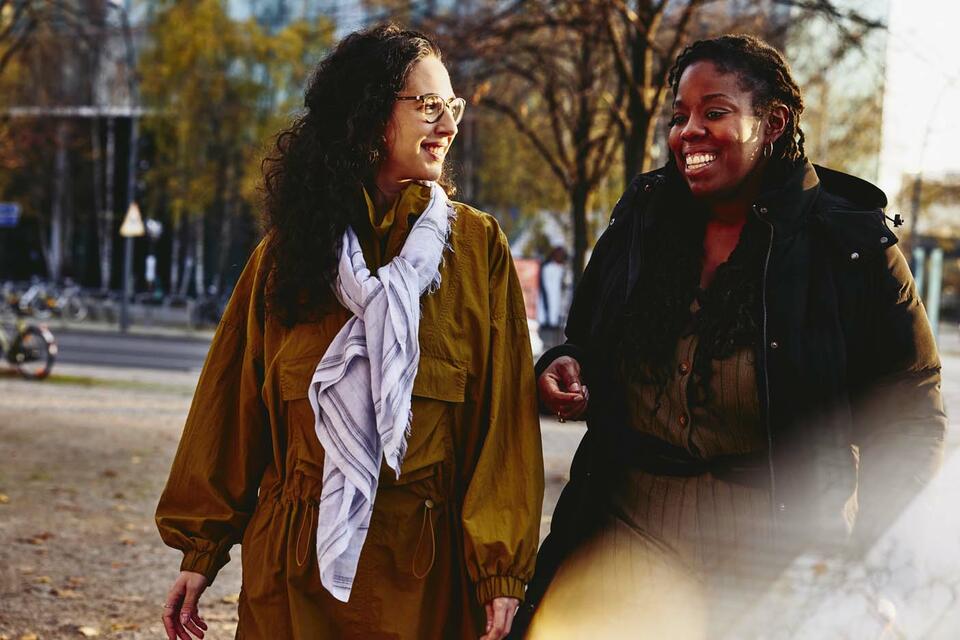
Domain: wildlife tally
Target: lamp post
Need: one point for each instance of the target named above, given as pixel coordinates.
(131, 228)
(135, 227)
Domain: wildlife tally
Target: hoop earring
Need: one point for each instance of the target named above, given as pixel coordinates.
(768, 150)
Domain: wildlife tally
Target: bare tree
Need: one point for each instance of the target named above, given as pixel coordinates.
(546, 70)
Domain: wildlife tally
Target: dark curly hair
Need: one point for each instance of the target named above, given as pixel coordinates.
(658, 312)
(314, 178)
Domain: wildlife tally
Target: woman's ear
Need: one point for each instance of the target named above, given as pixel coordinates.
(776, 122)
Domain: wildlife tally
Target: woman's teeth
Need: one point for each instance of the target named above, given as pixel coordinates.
(435, 150)
(699, 160)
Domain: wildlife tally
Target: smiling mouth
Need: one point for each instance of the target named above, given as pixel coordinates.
(438, 151)
(697, 161)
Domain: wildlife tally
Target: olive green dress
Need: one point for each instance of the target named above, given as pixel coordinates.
(677, 556)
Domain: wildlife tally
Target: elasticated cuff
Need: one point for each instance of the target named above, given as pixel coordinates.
(206, 563)
(500, 587)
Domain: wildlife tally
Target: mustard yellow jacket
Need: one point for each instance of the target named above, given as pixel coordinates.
(457, 529)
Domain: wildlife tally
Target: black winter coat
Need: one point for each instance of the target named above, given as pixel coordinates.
(847, 368)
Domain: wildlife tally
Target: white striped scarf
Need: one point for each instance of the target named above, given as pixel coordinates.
(361, 390)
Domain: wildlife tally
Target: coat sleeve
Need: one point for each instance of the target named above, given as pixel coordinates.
(504, 495)
(212, 488)
(899, 417)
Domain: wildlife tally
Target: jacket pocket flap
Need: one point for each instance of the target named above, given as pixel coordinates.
(295, 375)
(440, 380)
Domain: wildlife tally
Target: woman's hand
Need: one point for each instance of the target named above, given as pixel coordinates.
(500, 612)
(562, 391)
(181, 613)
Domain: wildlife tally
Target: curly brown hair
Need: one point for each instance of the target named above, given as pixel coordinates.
(314, 178)
(659, 310)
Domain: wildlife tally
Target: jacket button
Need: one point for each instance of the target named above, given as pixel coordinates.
(648, 187)
(854, 256)
(428, 503)
(763, 210)
(612, 220)
(781, 507)
(774, 344)
(884, 240)
(684, 368)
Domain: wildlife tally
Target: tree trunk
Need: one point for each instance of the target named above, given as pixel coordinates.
(55, 253)
(226, 227)
(198, 255)
(106, 222)
(175, 244)
(578, 214)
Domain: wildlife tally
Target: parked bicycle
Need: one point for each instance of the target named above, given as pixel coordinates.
(31, 351)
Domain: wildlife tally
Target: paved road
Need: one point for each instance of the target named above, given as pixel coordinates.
(102, 348)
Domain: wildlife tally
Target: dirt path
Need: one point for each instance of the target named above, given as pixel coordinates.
(81, 467)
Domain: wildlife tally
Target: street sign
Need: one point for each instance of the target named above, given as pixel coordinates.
(132, 226)
(9, 214)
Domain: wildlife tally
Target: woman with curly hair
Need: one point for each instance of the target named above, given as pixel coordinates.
(367, 413)
(753, 362)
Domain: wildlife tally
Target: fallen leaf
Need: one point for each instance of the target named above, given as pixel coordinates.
(25, 568)
(131, 527)
(4, 498)
(233, 598)
(124, 626)
(109, 473)
(820, 568)
(29, 636)
(89, 632)
(118, 565)
(118, 496)
(43, 579)
(127, 542)
(136, 460)
(121, 507)
(75, 581)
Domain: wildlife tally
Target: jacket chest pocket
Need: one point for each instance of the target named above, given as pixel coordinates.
(438, 390)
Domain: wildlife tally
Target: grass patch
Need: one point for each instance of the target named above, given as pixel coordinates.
(113, 383)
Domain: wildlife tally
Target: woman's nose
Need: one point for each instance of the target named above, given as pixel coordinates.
(446, 125)
(692, 128)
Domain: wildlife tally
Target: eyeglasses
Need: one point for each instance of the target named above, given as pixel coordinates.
(432, 106)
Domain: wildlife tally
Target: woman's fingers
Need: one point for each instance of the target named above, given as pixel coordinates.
(171, 609)
(561, 388)
(501, 619)
(181, 612)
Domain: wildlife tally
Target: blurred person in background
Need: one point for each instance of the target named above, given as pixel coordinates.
(550, 309)
(755, 366)
(372, 441)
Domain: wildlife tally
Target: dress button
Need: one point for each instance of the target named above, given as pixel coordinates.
(854, 256)
(684, 368)
(774, 344)
(683, 419)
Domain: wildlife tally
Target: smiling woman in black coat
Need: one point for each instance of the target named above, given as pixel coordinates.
(753, 361)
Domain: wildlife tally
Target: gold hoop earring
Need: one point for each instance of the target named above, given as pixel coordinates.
(768, 150)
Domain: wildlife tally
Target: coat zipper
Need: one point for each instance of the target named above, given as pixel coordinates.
(766, 370)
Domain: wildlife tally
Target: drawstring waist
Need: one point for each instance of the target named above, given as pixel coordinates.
(427, 517)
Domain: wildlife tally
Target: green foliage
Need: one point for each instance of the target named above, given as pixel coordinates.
(218, 89)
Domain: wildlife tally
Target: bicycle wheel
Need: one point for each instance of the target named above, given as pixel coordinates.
(33, 353)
